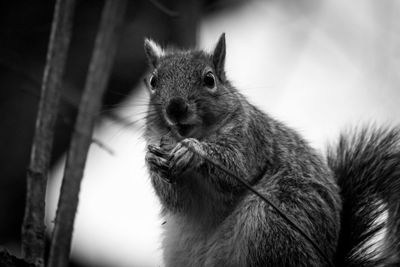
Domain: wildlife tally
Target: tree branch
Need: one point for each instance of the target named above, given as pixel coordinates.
(96, 82)
(33, 228)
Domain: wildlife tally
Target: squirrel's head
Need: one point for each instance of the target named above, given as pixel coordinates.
(189, 93)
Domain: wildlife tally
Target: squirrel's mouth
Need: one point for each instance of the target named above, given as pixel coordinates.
(185, 130)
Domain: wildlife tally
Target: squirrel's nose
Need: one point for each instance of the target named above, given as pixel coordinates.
(177, 109)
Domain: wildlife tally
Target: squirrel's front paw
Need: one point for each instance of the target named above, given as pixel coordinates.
(185, 156)
(157, 160)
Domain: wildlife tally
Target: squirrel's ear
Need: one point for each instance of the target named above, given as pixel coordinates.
(218, 57)
(153, 52)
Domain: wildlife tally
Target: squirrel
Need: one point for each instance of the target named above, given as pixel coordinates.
(212, 220)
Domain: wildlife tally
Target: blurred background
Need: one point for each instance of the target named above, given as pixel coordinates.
(319, 66)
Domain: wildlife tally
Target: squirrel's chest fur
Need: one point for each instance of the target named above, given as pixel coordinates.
(213, 224)
(183, 244)
(187, 243)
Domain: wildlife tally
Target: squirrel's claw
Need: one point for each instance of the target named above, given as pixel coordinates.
(157, 162)
(171, 164)
(167, 142)
(182, 158)
(157, 151)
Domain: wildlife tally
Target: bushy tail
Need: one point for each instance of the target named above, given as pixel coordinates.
(367, 166)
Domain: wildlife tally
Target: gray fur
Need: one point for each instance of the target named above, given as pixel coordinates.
(211, 220)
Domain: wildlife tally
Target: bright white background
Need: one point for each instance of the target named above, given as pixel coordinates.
(319, 66)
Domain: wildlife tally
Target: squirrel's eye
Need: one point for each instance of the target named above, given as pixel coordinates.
(153, 81)
(209, 80)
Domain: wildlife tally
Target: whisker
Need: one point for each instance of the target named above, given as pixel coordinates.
(107, 110)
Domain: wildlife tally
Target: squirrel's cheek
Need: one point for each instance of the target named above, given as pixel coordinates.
(209, 118)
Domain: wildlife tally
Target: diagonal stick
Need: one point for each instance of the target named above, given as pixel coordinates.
(96, 83)
(33, 228)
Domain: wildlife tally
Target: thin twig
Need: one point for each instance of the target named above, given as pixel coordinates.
(96, 82)
(33, 228)
(266, 200)
(164, 8)
(103, 146)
